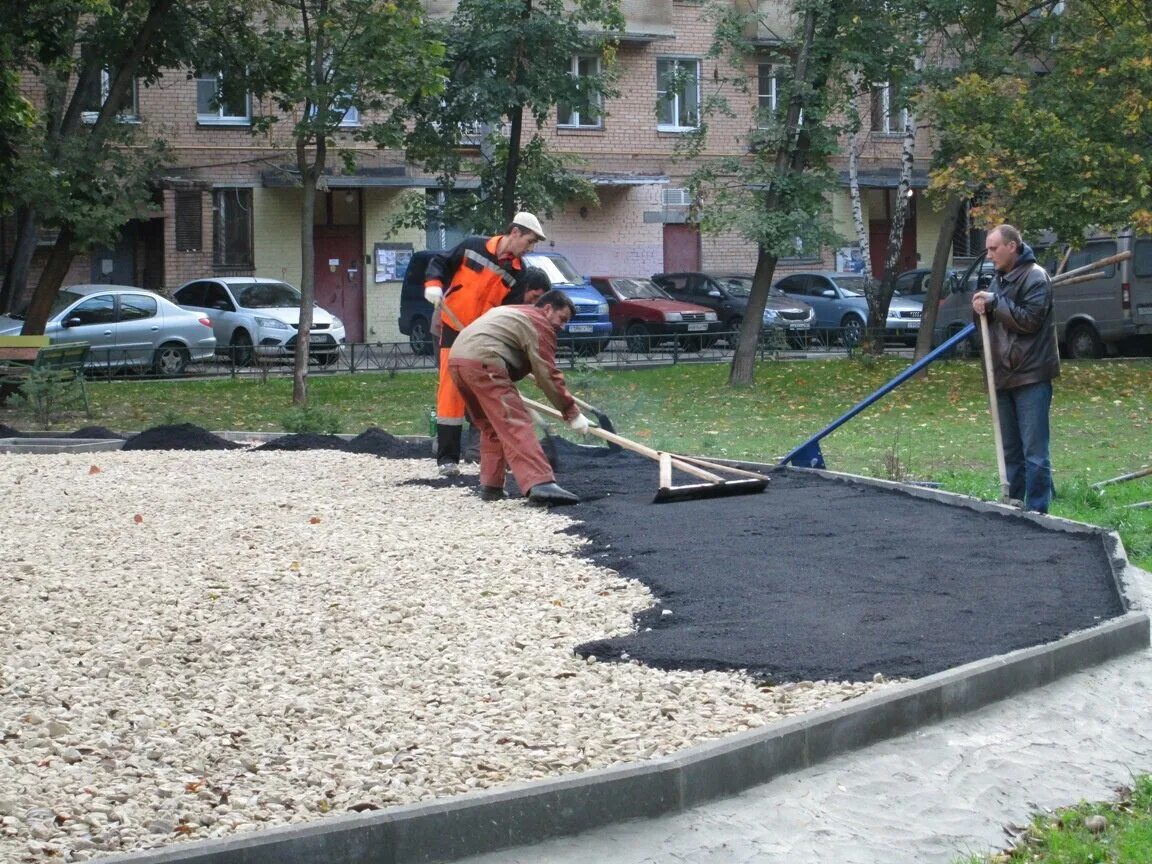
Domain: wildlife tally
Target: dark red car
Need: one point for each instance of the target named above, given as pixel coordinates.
(645, 315)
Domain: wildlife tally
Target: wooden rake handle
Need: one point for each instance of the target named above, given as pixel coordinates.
(634, 446)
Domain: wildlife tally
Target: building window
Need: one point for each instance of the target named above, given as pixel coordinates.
(766, 94)
(885, 118)
(95, 94)
(441, 233)
(189, 222)
(232, 227)
(220, 102)
(585, 68)
(677, 94)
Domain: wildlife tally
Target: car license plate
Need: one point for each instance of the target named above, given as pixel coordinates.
(696, 328)
(319, 338)
(579, 328)
(804, 325)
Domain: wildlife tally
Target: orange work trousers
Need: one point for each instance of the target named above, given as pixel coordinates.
(507, 433)
(449, 403)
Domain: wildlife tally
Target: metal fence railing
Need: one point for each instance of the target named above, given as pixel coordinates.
(351, 358)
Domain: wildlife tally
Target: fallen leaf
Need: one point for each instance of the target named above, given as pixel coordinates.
(95, 469)
(137, 518)
(315, 520)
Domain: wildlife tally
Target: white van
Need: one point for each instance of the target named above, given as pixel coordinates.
(1101, 315)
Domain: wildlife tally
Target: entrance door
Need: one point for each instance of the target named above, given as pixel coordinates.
(878, 232)
(681, 247)
(340, 276)
(116, 265)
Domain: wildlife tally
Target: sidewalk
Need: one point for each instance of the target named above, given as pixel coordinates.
(930, 797)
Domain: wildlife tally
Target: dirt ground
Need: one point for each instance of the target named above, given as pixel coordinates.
(813, 579)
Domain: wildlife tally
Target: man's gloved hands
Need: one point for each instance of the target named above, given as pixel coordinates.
(433, 294)
(579, 423)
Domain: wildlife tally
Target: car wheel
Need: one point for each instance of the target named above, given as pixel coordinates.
(419, 337)
(1084, 343)
(851, 330)
(638, 338)
(241, 348)
(733, 328)
(171, 358)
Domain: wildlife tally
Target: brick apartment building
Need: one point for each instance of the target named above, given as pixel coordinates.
(226, 206)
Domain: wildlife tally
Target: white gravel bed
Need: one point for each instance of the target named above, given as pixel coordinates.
(195, 644)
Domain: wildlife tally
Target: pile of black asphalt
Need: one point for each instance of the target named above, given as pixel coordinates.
(815, 578)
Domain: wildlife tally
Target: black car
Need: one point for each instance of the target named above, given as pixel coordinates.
(727, 295)
(415, 311)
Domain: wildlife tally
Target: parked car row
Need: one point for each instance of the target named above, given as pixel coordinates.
(246, 318)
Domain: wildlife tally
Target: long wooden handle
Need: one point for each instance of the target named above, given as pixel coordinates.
(634, 446)
(997, 435)
(1087, 268)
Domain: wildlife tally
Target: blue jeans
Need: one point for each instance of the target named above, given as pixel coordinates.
(1024, 428)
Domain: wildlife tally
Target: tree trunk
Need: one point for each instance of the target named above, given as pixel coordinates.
(952, 210)
(14, 292)
(512, 166)
(309, 174)
(861, 229)
(880, 292)
(51, 277)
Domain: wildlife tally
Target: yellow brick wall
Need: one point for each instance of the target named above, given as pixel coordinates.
(382, 299)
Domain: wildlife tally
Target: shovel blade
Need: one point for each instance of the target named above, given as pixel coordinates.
(698, 491)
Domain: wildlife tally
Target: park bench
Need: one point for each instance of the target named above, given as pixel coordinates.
(24, 356)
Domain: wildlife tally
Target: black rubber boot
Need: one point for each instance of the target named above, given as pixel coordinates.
(448, 444)
(492, 493)
(549, 494)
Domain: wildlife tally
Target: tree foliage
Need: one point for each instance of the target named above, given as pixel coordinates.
(314, 60)
(1057, 133)
(72, 164)
(508, 65)
(776, 196)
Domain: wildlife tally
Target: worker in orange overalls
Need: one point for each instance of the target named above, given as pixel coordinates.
(481, 273)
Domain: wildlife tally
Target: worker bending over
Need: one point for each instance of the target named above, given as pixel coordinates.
(479, 274)
(488, 357)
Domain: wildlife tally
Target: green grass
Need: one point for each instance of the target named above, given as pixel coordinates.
(1076, 835)
(936, 427)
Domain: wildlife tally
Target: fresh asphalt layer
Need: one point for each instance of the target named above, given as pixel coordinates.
(821, 576)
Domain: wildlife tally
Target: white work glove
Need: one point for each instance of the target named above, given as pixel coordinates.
(433, 294)
(579, 423)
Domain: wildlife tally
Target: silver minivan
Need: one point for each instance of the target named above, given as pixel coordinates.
(1099, 315)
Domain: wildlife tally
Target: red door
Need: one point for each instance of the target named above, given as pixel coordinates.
(878, 232)
(340, 276)
(681, 247)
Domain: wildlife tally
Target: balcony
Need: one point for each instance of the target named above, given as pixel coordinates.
(645, 20)
(775, 22)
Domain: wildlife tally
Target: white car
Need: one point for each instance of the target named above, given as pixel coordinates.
(259, 317)
(126, 327)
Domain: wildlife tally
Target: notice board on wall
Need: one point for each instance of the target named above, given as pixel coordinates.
(391, 260)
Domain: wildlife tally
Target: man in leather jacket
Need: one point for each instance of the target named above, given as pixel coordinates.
(1025, 359)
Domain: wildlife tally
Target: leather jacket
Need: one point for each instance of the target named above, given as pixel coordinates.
(1022, 325)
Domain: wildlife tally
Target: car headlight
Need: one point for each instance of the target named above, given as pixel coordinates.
(336, 322)
(272, 324)
(673, 316)
(811, 315)
(709, 316)
(770, 316)
(602, 309)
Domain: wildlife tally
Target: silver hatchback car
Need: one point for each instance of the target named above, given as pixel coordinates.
(126, 327)
(841, 306)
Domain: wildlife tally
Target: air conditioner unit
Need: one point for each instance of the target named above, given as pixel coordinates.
(677, 197)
